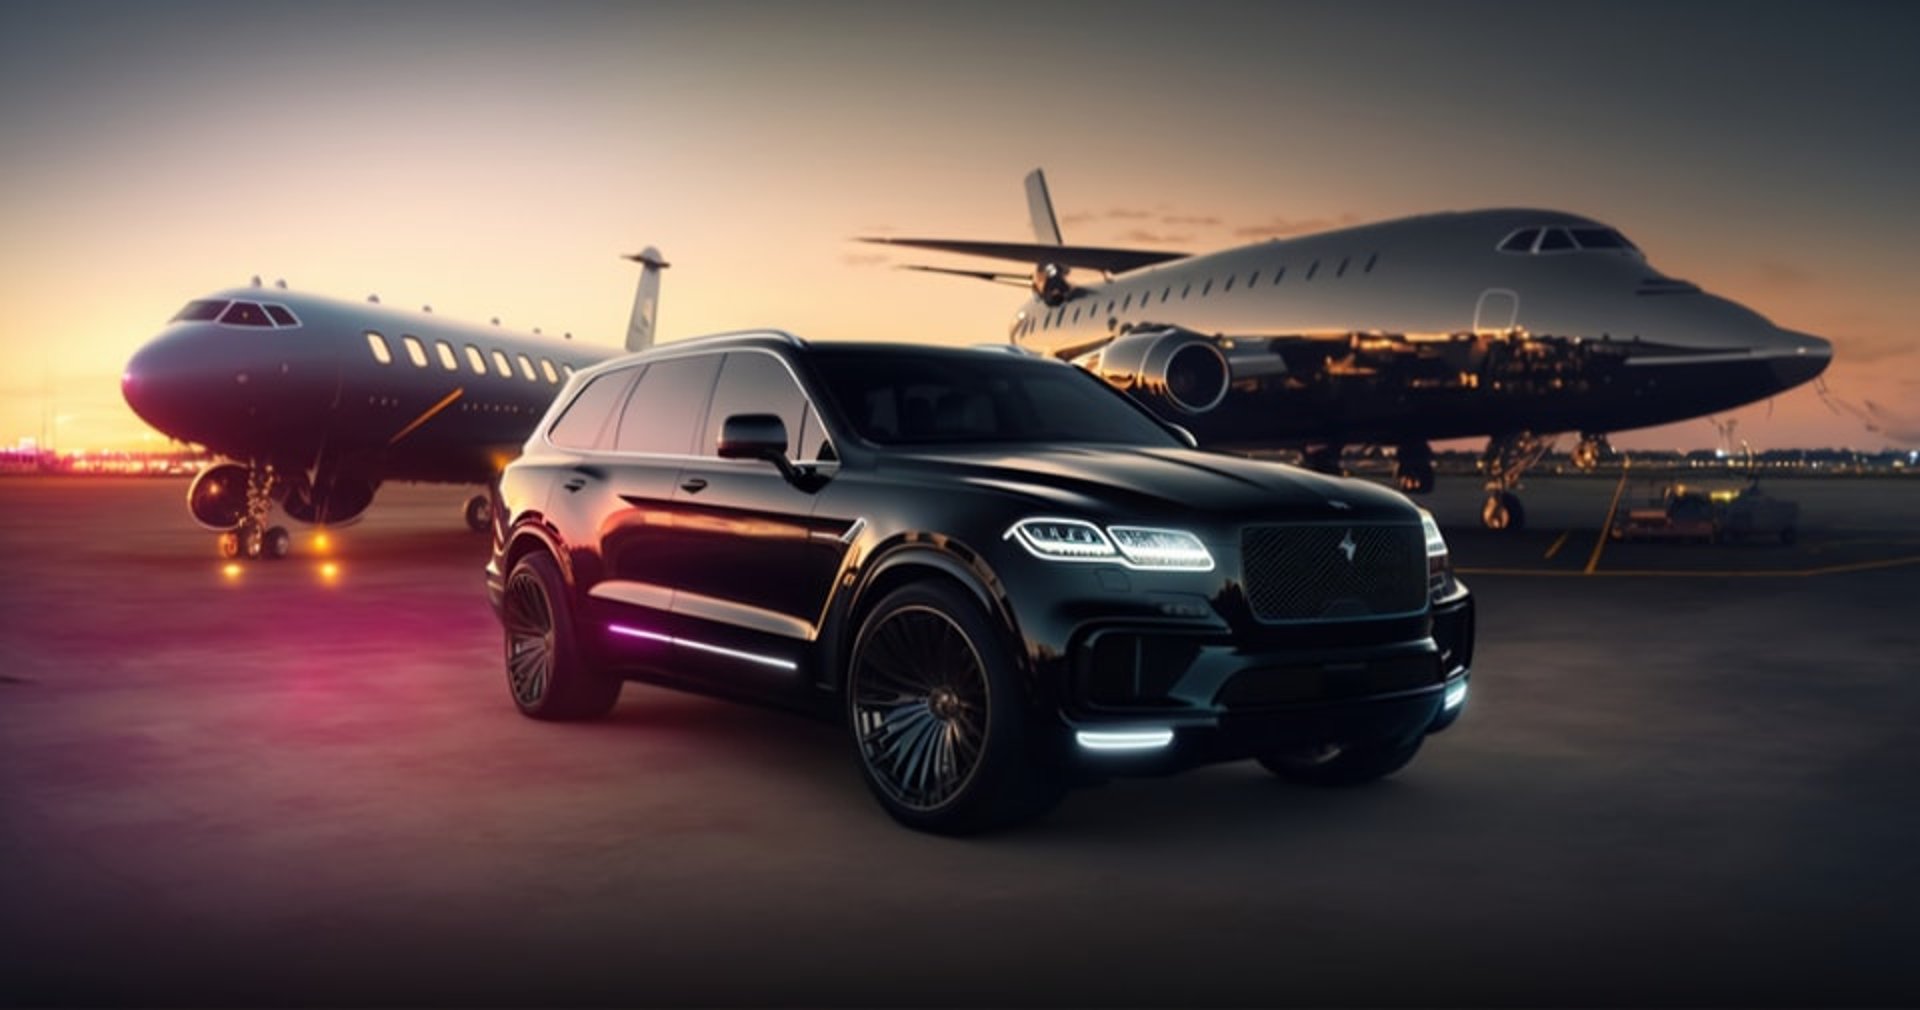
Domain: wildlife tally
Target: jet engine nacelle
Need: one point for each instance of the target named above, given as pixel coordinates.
(218, 496)
(1177, 366)
(1050, 283)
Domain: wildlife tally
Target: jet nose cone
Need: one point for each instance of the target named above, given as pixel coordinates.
(163, 386)
(1803, 356)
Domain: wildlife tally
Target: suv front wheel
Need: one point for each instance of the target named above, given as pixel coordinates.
(937, 716)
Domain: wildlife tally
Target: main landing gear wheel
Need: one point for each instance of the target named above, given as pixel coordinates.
(1340, 766)
(937, 717)
(1503, 511)
(478, 513)
(549, 672)
(277, 543)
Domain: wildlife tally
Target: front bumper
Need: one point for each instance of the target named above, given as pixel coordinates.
(1145, 699)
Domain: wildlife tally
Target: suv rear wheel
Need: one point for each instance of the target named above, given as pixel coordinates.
(937, 716)
(549, 672)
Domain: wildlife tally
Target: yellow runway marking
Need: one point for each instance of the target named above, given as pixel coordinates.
(1613, 509)
(1722, 573)
(1557, 544)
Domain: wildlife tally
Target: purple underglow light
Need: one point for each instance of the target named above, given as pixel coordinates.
(654, 636)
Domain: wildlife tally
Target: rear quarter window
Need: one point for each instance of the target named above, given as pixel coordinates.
(586, 422)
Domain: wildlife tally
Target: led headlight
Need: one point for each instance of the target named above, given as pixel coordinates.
(1140, 547)
(1064, 539)
(1168, 550)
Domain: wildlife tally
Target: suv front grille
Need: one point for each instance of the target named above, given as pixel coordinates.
(1333, 571)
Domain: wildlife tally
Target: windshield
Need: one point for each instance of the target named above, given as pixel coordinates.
(900, 396)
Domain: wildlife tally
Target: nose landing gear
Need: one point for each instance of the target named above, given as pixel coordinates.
(1507, 458)
(250, 536)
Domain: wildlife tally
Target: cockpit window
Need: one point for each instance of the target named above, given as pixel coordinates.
(1601, 238)
(1557, 240)
(1520, 241)
(198, 311)
(280, 315)
(245, 314)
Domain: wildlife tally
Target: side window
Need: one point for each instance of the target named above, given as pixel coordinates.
(447, 360)
(667, 406)
(476, 360)
(584, 424)
(753, 382)
(1520, 241)
(378, 345)
(416, 351)
(501, 364)
(813, 439)
(546, 367)
(526, 368)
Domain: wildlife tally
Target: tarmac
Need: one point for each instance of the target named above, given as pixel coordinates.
(1688, 775)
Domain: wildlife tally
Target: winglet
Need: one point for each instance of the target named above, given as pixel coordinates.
(646, 300)
(1046, 228)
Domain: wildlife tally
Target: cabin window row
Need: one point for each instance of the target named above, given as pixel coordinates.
(477, 360)
(1065, 315)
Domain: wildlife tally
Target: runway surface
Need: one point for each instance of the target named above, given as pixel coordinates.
(278, 788)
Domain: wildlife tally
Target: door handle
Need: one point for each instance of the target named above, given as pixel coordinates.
(693, 485)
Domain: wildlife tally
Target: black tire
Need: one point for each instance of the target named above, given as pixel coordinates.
(1503, 511)
(1338, 766)
(277, 543)
(549, 673)
(938, 718)
(478, 513)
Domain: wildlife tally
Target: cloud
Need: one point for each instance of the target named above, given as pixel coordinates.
(1776, 275)
(865, 259)
(1129, 214)
(1278, 226)
(1194, 220)
(1077, 217)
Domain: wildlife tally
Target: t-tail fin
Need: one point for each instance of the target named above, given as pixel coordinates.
(646, 300)
(1046, 227)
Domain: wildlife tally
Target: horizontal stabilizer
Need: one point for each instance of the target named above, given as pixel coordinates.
(1113, 261)
(1019, 280)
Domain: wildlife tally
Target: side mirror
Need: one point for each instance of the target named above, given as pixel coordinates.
(753, 436)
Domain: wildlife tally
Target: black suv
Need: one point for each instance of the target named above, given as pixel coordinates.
(1004, 575)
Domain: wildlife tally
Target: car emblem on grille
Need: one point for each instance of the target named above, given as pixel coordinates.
(1347, 546)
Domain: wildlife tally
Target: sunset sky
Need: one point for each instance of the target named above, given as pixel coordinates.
(495, 160)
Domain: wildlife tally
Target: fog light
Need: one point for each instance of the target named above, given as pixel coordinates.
(1455, 697)
(1135, 739)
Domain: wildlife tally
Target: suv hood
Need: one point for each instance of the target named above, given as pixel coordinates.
(1161, 484)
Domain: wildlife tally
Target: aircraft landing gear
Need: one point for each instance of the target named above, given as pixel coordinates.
(1413, 467)
(1590, 451)
(252, 538)
(479, 513)
(1507, 458)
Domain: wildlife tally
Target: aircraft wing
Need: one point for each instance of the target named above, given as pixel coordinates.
(1113, 261)
(1020, 280)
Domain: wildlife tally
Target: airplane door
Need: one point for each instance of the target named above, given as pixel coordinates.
(1497, 311)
